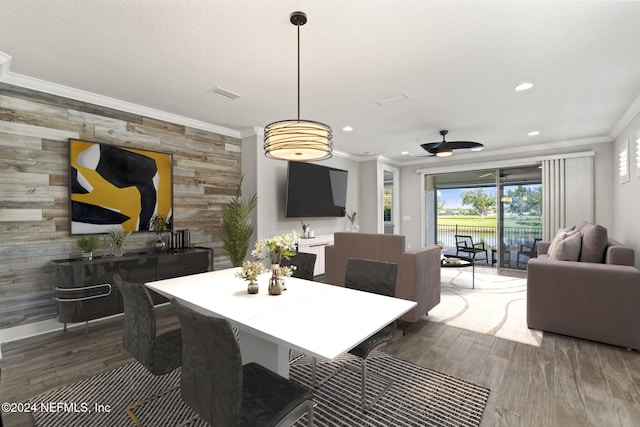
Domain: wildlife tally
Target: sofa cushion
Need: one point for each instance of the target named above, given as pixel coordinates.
(566, 230)
(569, 248)
(560, 236)
(594, 243)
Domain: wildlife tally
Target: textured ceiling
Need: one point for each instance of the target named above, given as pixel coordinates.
(457, 62)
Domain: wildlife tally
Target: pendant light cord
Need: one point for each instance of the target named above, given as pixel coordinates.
(298, 71)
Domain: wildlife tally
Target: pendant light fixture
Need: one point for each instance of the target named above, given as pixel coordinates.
(298, 140)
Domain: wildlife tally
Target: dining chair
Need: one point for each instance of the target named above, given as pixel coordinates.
(159, 354)
(221, 390)
(380, 278)
(304, 263)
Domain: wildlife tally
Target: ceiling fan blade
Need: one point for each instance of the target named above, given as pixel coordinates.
(464, 144)
(432, 147)
(445, 147)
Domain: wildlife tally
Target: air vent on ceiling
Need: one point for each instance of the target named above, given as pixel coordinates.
(225, 93)
(386, 101)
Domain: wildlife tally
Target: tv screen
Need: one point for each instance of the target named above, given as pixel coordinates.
(118, 188)
(315, 191)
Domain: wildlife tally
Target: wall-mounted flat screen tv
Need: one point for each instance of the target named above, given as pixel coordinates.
(315, 191)
(118, 188)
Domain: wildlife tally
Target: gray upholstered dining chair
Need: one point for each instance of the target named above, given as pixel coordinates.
(304, 263)
(380, 278)
(159, 354)
(221, 390)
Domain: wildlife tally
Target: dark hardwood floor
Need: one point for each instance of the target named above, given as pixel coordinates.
(566, 382)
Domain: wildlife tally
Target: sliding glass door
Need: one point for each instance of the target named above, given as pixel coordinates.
(519, 215)
(499, 209)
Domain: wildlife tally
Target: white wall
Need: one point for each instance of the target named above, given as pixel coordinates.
(368, 196)
(625, 205)
(269, 179)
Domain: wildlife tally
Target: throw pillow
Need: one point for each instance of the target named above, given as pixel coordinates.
(560, 236)
(569, 248)
(594, 243)
(566, 230)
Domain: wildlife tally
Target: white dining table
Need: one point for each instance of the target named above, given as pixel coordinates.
(318, 319)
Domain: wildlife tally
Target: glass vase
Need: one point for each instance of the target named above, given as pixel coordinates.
(117, 250)
(275, 281)
(159, 245)
(252, 287)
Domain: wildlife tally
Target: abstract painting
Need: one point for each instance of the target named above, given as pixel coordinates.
(118, 188)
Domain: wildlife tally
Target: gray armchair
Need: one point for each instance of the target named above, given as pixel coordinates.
(418, 269)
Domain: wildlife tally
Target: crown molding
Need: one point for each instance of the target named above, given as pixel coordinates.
(626, 118)
(5, 63)
(11, 78)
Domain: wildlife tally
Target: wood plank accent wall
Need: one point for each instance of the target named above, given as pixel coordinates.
(34, 202)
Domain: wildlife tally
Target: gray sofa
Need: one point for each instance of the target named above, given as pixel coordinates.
(596, 301)
(418, 269)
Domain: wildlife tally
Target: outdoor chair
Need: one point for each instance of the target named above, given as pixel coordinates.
(465, 244)
(528, 251)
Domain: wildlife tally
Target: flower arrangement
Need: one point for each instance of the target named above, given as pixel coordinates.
(118, 239)
(352, 217)
(287, 270)
(276, 247)
(251, 270)
(159, 224)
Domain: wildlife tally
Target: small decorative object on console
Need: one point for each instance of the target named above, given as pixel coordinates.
(88, 245)
(159, 224)
(353, 225)
(118, 239)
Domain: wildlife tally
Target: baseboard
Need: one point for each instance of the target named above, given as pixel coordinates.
(38, 328)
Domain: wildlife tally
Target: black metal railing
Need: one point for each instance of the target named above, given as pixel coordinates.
(514, 239)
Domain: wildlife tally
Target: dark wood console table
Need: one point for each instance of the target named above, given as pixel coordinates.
(84, 291)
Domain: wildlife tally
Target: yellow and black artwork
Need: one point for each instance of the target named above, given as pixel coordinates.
(117, 187)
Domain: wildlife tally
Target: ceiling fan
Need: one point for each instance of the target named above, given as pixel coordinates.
(445, 148)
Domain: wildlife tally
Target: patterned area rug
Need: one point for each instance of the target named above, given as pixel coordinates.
(419, 397)
(497, 306)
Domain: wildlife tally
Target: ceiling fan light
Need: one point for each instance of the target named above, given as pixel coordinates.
(444, 153)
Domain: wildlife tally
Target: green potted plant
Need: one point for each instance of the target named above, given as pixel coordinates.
(236, 230)
(160, 224)
(88, 244)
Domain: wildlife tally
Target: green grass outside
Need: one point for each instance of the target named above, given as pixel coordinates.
(489, 221)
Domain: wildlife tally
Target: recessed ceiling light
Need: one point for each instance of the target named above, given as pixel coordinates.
(524, 86)
(534, 133)
(405, 153)
(347, 128)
